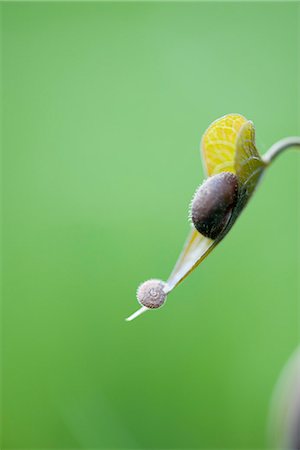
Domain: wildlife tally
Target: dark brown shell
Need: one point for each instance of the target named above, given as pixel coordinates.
(213, 203)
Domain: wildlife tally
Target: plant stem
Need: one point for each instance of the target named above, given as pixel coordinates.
(277, 148)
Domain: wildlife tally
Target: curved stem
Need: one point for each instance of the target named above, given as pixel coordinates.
(279, 147)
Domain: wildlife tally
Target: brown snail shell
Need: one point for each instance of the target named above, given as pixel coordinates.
(213, 202)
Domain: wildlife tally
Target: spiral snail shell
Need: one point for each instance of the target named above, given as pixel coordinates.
(213, 202)
(152, 293)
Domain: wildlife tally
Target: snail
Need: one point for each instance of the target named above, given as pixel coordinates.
(213, 202)
(152, 294)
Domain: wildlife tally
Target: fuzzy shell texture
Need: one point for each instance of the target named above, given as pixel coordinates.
(152, 294)
(213, 203)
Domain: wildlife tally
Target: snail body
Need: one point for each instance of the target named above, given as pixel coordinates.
(213, 203)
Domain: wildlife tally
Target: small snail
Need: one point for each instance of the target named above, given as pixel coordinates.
(213, 202)
(152, 294)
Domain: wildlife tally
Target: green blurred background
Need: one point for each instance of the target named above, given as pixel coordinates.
(104, 105)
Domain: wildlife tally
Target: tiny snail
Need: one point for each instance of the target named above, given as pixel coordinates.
(152, 294)
(213, 203)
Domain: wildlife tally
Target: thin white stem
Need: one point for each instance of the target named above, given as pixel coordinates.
(277, 148)
(137, 313)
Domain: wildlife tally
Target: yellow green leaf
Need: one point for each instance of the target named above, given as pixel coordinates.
(219, 144)
(249, 166)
